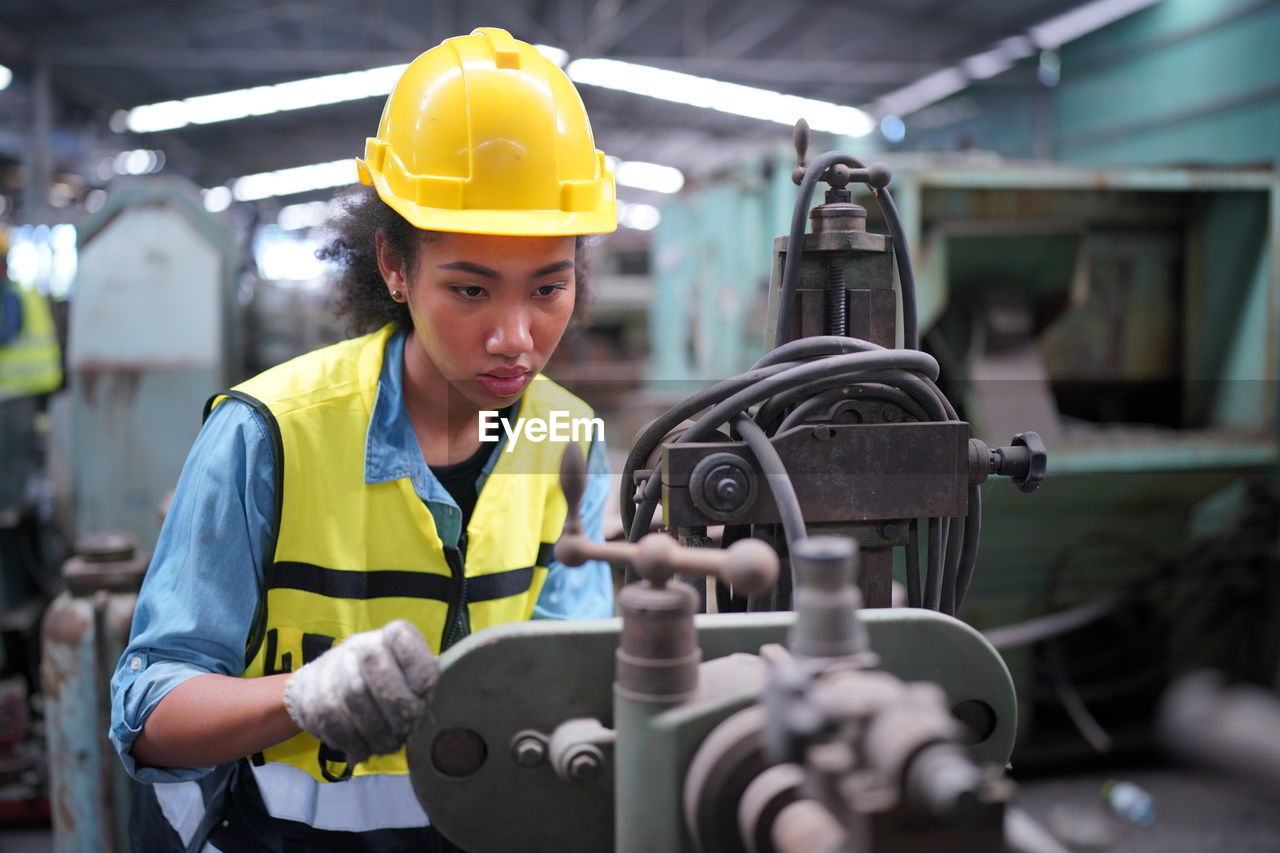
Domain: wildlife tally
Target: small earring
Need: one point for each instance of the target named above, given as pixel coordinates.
(396, 296)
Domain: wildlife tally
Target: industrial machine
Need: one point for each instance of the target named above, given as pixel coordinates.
(1128, 315)
(827, 727)
(858, 431)
(869, 730)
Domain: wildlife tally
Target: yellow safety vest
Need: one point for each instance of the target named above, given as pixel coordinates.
(31, 364)
(351, 556)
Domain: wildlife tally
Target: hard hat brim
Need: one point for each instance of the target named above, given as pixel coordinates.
(515, 223)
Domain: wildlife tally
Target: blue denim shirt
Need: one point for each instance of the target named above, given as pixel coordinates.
(198, 600)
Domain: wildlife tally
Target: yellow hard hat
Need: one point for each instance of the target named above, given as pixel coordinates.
(485, 135)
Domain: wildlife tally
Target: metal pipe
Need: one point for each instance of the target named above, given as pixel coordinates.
(775, 474)
(933, 574)
(914, 598)
(969, 550)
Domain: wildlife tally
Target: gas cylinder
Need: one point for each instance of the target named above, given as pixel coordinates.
(83, 634)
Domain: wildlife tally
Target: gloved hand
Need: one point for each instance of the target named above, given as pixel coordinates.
(364, 695)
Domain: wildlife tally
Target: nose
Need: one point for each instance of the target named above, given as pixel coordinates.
(511, 335)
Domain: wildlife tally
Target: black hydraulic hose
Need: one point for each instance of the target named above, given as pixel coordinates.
(913, 565)
(906, 277)
(795, 245)
(853, 364)
(863, 392)
(969, 552)
(933, 574)
(775, 474)
(791, 267)
(653, 434)
(950, 565)
(815, 347)
(771, 411)
(775, 360)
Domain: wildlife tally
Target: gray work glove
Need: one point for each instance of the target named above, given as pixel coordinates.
(364, 695)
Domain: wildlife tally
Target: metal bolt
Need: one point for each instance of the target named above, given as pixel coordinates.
(583, 767)
(890, 414)
(727, 490)
(890, 530)
(529, 751)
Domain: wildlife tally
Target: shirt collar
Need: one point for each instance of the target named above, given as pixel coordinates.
(391, 448)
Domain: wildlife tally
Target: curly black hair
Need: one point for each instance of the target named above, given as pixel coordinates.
(361, 301)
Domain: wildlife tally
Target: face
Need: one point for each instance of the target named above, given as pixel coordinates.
(488, 311)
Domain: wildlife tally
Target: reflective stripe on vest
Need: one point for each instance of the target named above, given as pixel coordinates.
(182, 804)
(362, 804)
(351, 556)
(30, 364)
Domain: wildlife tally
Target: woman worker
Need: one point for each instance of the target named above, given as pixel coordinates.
(338, 519)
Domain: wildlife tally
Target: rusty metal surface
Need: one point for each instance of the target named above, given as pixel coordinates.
(845, 472)
(81, 639)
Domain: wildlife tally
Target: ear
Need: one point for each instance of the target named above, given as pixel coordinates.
(390, 264)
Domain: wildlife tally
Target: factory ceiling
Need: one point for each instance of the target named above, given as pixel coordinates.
(106, 56)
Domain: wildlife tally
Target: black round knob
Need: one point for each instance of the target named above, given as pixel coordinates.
(1038, 462)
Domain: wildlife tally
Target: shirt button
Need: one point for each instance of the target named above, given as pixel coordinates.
(135, 663)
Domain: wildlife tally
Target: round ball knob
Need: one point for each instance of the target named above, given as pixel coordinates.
(878, 175)
(751, 568)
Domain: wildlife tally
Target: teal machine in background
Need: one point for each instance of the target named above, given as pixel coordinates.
(1129, 316)
(153, 332)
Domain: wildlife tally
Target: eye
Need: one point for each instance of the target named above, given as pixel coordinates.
(548, 290)
(469, 291)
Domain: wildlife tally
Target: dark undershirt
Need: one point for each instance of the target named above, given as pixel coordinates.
(459, 479)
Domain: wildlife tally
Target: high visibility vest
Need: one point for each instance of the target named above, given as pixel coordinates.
(31, 363)
(351, 556)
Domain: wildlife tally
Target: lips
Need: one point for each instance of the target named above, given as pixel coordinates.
(504, 383)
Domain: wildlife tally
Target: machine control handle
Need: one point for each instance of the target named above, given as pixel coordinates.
(1025, 461)
(748, 565)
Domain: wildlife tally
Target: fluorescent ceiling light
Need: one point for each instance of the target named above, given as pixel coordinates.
(647, 176)
(262, 100)
(555, 54)
(307, 214)
(734, 98)
(299, 179)
(925, 91)
(216, 199)
(639, 217)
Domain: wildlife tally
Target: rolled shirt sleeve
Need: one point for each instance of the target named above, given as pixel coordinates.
(198, 600)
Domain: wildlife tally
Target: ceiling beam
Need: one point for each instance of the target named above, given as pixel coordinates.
(523, 25)
(603, 38)
(762, 21)
(230, 58)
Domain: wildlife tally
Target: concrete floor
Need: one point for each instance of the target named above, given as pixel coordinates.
(1195, 813)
